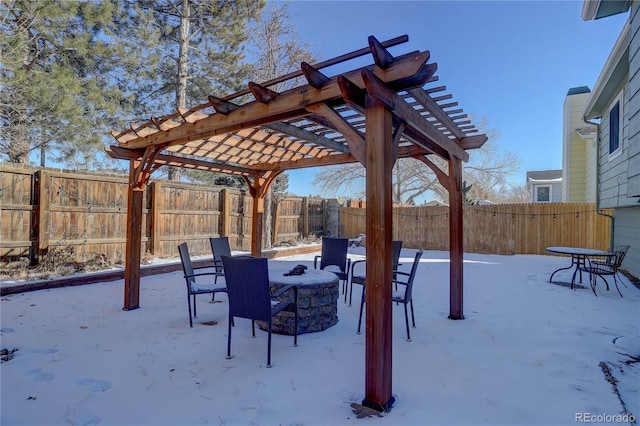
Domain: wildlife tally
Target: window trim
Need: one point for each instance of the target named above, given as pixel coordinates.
(535, 193)
(616, 152)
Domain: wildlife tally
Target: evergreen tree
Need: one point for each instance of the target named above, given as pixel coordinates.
(57, 92)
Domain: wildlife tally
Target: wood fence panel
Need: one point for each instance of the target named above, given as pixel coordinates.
(495, 229)
(289, 222)
(16, 212)
(87, 216)
(316, 218)
(188, 213)
(240, 213)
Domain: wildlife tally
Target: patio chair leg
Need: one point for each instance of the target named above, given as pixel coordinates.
(253, 328)
(621, 280)
(195, 313)
(606, 282)
(350, 292)
(269, 347)
(593, 278)
(361, 306)
(190, 317)
(406, 321)
(617, 288)
(229, 338)
(413, 318)
(295, 324)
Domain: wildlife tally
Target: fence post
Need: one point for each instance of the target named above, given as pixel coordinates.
(276, 219)
(225, 224)
(42, 216)
(305, 217)
(157, 202)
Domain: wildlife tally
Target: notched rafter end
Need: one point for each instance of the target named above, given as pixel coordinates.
(314, 77)
(262, 94)
(381, 55)
(221, 106)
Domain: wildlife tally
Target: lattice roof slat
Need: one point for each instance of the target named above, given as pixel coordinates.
(277, 132)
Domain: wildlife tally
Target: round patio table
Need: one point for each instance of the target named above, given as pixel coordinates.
(318, 293)
(578, 257)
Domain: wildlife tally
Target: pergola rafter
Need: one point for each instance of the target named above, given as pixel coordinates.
(371, 115)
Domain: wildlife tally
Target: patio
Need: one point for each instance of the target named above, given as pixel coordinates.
(529, 352)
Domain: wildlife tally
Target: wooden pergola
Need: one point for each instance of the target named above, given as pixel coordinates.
(372, 115)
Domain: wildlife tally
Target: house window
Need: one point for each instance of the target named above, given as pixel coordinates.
(543, 194)
(615, 126)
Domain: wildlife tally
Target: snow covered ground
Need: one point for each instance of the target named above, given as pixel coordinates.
(528, 353)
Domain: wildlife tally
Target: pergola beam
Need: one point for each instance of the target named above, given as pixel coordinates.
(289, 104)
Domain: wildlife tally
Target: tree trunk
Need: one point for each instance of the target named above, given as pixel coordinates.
(183, 63)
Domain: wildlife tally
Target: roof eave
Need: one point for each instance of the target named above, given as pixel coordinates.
(596, 9)
(611, 78)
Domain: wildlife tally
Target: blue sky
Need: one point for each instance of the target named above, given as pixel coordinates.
(511, 62)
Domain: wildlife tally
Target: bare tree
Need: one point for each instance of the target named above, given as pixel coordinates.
(277, 50)
(486, 171)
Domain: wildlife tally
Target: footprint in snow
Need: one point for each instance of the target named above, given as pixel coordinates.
(95, 385)
(37, 375)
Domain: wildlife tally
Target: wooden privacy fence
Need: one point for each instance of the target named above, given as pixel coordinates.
(43, 210)
(494, 229)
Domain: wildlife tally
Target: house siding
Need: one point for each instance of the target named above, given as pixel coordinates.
(614, 171)
(619, 175)
(578, 154)
(627, 231)
(633, 169)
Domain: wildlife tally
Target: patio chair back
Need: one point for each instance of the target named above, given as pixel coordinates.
(403, 281)
(334, 253)
(219, 247)
(249, 296)
(396, 248)
(194, 287)
(248, 287)
(406, 296)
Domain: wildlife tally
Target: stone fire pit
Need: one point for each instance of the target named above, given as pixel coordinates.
(318, 293)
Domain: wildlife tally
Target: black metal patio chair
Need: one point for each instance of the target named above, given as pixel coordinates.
(404, 295)
(195, 286)
(249, 296)
(602, 266)
(360, 279)
(334, 256)
(219, 247)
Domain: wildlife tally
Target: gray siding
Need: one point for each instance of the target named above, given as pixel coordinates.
(627, 231)
(633, 170)
(614, 171)
(627, 220)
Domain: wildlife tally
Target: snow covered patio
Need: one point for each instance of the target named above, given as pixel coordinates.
(528, 353)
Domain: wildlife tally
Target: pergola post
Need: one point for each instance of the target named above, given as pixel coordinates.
(456, 249)
(379, 164)
(257, 223)
(258, 188)
(134, 242)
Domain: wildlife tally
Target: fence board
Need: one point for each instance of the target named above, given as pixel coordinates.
(495, 229)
